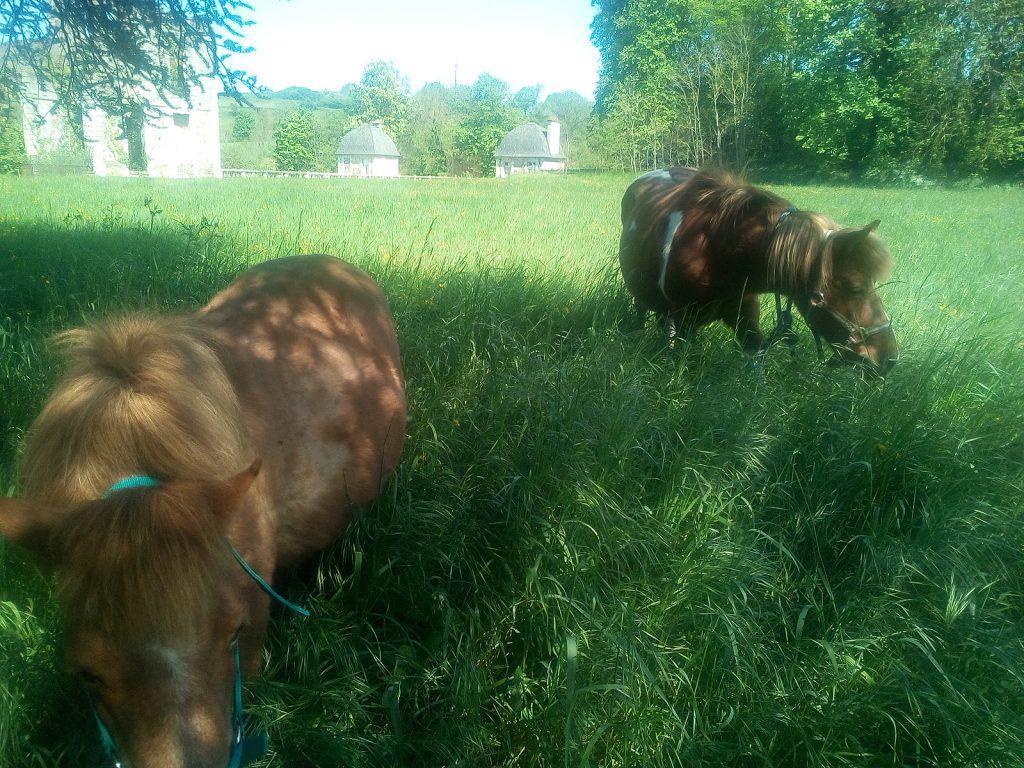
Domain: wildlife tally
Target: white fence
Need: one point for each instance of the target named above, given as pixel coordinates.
(241, 172)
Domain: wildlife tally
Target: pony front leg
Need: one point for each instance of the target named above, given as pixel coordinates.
(744, 318)
(671, 330)
(677, 327)
(640, 311)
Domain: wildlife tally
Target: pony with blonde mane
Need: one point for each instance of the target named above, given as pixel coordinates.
(179, 453)
(699, 246)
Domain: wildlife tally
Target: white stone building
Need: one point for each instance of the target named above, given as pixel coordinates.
(368, 151)
(530, 148)
(175, 139)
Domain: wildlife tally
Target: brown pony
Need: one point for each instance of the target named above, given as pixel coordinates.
(698, 246)
(246, 432)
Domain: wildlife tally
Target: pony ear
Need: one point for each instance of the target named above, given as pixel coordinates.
(224, 497)
(28, 525)
(857, 235)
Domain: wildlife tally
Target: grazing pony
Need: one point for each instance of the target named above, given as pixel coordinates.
(178, 464)
(698, 246)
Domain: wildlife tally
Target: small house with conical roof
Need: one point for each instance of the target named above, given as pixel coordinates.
(530, 148)
(367, 151)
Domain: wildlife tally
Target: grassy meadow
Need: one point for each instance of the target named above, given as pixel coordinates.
(596, 552)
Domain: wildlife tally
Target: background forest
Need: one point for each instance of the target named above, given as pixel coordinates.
(886, 89)
(874, 90)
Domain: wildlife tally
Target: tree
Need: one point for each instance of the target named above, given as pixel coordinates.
(245, 121)
(526, 98)
(489, 118)
(573, 111)
(12, 143)
(429, 143)
(383, 95)
(96, 52)
(295, 142)
(865, 88)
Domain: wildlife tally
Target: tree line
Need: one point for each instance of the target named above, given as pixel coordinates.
(440, 129)
(886, 89)
(862, 89)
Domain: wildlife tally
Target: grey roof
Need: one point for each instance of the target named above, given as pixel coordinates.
(528, 140)
(368, 139)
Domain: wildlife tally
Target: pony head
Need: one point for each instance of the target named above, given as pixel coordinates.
(832, 274)
(152, 597)
(160, 618)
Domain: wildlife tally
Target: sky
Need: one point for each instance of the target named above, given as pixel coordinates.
(324, 44)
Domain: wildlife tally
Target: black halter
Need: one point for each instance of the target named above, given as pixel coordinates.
(783, 330)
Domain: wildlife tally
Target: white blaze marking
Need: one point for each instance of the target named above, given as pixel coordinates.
(174, 661)
(658, 174)
(671, 227)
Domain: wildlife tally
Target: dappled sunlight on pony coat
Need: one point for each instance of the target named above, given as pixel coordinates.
(264, 419)
(698, 246)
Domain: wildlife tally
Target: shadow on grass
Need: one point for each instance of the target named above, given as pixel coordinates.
(591, 545)
(59, 276)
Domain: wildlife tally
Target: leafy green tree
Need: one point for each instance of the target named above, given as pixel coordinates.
(428, 146)
(245, 122)
(295, 142)
(489, 118)
(880, 88)
(12, 142)
(630, 135)
(573, 111)
(992, 41)
(525, 99)
(329, 125)
(690, 70)
(382, 94)
(638, 42)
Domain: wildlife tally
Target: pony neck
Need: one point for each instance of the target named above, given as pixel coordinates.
(795, 255)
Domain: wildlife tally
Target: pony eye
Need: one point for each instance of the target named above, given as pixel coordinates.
(854, 291)
(90, 678)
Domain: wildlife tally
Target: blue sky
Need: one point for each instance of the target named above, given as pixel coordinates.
(323, 44)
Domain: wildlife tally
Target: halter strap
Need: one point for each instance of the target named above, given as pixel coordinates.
(785, 215)
(135, 481)
(264, 585)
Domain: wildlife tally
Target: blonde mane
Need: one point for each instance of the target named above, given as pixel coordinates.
(143, 394)
(802, 254)
(141, 565)
(799, 256)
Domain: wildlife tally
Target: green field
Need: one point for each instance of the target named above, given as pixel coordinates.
(596, 551)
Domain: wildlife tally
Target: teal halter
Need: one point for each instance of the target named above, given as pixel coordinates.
(243, 750)
(135, 481)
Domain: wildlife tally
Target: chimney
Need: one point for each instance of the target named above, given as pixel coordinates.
(554, 136)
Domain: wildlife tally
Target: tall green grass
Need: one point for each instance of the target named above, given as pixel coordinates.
(595, 551)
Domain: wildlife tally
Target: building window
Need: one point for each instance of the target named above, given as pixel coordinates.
(181, 119)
